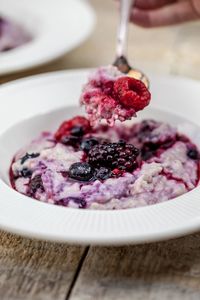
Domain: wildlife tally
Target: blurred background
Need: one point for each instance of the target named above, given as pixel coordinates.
(174, 50)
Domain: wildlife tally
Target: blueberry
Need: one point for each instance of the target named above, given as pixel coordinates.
(145, 132)
(87, 144)
(70, 140)
(81, 171)
(152, 146)
(7, 49)
(25, 173)
(103, 173)
(81, 202)
(36, 184)
(193, 153)
(146, 153)
(77, 131)
(1, 25)
(122, 142)
(63, 202)
(28, 156)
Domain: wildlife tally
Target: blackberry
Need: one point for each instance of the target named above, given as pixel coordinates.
(36, 184)
(88, 143)
(28, 156)
(113, 155)
(81, 171)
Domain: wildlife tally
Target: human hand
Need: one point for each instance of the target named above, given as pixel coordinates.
(154, 13)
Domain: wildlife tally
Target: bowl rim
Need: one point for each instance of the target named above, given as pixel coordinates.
(118, 223)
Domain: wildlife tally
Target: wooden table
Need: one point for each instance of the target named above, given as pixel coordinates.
(160, 271)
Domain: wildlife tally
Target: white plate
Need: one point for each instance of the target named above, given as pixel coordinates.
(39, 101)
(57, 26)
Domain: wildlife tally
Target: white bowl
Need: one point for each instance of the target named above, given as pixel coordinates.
(57, 26)
(40, 103)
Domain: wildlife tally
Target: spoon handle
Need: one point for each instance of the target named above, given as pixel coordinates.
(122, 35)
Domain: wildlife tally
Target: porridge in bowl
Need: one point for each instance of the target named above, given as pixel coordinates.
(107, 167)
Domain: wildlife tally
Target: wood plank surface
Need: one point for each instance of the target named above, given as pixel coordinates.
(34, 270)
(159, 271)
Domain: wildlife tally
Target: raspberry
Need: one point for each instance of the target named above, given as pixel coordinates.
(132, 93)
(117, 173)
(114, 155)
(76, 126)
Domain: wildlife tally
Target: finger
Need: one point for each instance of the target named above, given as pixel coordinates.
(167, 15)
(151, 4)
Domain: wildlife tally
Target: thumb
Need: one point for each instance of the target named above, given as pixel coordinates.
(175, 13)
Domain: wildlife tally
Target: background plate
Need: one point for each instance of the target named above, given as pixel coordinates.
(57, 26)
(174, 99)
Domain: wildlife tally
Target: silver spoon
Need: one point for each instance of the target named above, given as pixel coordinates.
(121, 61)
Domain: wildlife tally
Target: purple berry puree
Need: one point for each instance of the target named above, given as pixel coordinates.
(12, 35)
(107, 168)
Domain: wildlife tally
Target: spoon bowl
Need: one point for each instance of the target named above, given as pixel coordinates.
(122, 64)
